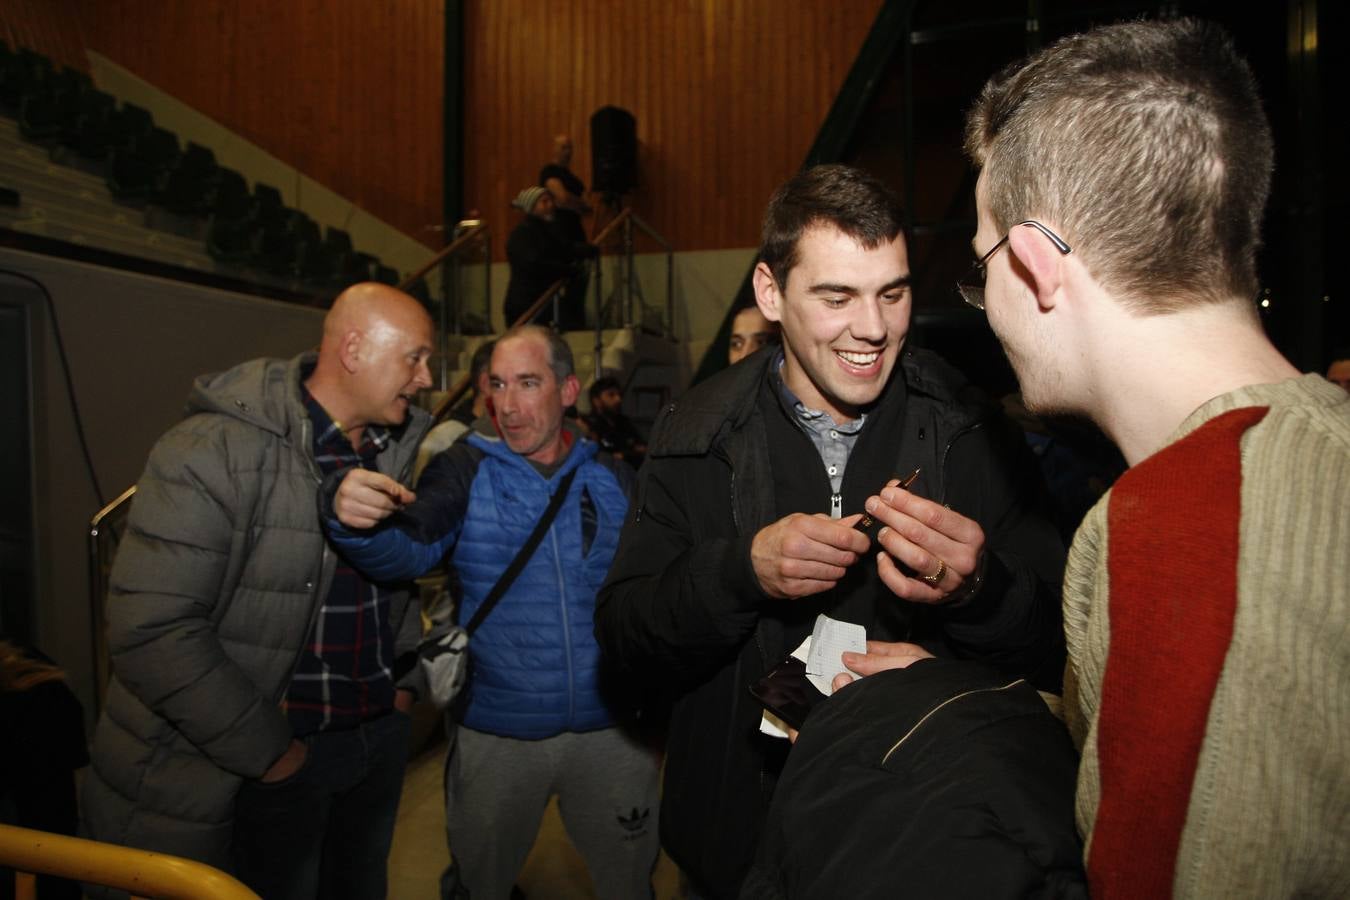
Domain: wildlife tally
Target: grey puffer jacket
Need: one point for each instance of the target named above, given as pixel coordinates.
(220, 573)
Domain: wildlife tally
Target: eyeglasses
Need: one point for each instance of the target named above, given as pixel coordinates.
(971, 287)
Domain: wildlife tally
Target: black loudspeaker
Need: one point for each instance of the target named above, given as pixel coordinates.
(613, 150)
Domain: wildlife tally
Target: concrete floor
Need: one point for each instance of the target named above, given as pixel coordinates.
(554, 870)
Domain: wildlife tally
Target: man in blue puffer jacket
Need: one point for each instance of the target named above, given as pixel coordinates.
(538, 719)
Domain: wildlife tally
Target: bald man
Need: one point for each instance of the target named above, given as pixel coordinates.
(567, 189)
(256, 718)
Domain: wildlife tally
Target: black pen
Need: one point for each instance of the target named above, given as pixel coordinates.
(866, 524)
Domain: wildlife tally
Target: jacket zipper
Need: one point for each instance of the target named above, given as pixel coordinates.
(567, 628)
(932, 712)
(324, 553)
(735, 513)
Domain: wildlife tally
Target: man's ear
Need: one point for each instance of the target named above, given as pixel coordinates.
(767, 295)
(349, 351)
(571, 389)
(1038, 262)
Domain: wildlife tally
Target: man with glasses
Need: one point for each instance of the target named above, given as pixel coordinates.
(1124, 173)
(747, 502)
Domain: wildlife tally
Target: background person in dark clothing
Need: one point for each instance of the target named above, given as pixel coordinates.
(42, 744)
(613, 430)
(567, 189)
(540, 254)
(750, 331)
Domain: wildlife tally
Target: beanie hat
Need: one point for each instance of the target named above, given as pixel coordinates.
(527, 198)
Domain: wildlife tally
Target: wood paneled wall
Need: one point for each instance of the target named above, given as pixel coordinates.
(51, 27)
(349, 93)
(728, 96)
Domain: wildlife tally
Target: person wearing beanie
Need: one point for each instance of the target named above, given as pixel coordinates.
(539, 255)
(527, 198)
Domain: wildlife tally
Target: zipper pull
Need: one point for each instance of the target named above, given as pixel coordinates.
(836, 506)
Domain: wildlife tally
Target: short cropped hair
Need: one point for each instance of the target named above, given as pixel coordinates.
(559, 353)
(480, 361)
(853, 201)
(1145, 142)
(600, 385)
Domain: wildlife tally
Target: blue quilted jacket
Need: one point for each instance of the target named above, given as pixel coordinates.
(536, 665)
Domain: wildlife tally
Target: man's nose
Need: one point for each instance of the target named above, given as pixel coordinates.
(868, 323)
(422, 378)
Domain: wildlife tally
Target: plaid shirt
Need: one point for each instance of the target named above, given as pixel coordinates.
(345, 672)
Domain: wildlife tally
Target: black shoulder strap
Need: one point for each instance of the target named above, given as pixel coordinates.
(504, 582)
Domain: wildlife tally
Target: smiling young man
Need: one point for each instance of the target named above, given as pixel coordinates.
(752, 483)
(256, 718)
(540, 718)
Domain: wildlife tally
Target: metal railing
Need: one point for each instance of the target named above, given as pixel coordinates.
(141, 873)
(618, 269)
(105, 530)
(462, 301)
(627, 304)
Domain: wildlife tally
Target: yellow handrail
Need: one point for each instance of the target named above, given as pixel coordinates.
(436, 260)
(98, 589)
(139, 872)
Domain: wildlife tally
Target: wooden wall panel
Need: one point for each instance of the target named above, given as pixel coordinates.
(350, 93)
(47, 26)
(728, 96)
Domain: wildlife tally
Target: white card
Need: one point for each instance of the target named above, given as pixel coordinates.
(835, 637)
(829, 639)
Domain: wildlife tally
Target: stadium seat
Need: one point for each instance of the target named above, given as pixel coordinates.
(134, 171)
(21, 72)
(87, 123)
(229, 231)
(185, 187)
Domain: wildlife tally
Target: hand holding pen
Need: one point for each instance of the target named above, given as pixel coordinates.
(929, 553)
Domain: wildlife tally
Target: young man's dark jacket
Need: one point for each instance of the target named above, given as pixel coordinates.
(945, 779)
(683, 610)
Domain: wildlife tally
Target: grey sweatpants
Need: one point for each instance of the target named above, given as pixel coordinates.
(496, 790)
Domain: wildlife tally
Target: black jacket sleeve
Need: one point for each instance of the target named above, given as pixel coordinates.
(1013, 621)
(681, 597)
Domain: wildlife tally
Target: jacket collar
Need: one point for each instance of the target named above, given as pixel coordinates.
(266, 394)
(494, 445)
